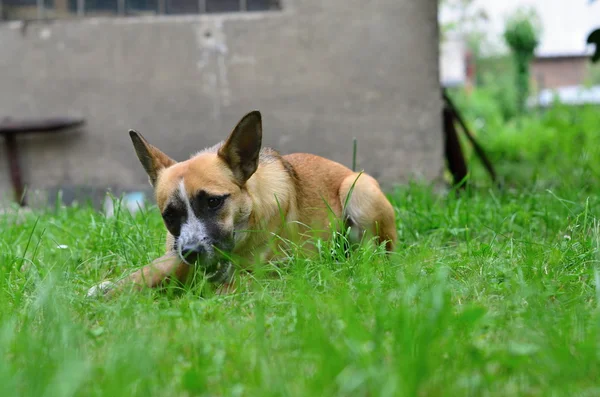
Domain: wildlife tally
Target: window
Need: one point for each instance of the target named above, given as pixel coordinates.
(54, 9)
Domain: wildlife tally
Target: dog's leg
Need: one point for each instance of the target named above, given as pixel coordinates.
(367, 207)
(151, 276)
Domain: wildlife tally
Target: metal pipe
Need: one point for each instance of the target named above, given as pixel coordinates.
(12, 155)
(40, 9)
(121, 7)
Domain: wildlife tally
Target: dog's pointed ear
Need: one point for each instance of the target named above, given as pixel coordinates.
(152, 159)
(242, 148)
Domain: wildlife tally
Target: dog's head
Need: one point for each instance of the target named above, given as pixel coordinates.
(203, 200)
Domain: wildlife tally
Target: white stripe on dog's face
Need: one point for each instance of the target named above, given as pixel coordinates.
(193, 232)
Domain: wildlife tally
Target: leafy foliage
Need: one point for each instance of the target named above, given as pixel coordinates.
(522, 37)
(594, 38)
(466, 22)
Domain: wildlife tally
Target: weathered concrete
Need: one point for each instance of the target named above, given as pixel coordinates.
(321, 72)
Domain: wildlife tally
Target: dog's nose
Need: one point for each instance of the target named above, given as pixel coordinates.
(191, 253)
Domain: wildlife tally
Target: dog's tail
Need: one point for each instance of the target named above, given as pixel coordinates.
(366, 207)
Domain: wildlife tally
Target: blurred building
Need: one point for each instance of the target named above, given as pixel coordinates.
(183, 72)
(561, 66)
(556, 71)
(453, 62)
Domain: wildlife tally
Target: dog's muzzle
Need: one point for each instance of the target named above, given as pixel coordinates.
(219, 272)
(191, 254)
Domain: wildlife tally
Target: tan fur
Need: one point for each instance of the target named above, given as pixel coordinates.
(294, 196)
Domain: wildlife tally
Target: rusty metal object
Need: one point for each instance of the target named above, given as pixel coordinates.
(453, 152)
(454, 155)
(10, 129)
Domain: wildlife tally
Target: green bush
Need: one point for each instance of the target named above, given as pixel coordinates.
(554, 146)
(480, 107)
(489, 106)
(522, 37)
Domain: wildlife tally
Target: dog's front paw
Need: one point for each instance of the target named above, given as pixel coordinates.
(100, 289)
(222, 273)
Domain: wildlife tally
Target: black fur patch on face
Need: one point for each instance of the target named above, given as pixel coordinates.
(206, 208)
(174, 215)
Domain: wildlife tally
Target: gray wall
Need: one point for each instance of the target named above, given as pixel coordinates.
(321, 72)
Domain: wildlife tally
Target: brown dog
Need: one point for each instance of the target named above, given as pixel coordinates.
(232, 198)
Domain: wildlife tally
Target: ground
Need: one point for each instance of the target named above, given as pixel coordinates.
(491, 293)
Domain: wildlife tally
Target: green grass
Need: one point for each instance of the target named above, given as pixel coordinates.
(493, 293)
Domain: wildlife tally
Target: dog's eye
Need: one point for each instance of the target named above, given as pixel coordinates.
(215, 202)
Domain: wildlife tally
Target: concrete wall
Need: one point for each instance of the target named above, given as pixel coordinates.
(321, 72)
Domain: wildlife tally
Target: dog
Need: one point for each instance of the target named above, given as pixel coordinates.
(231, 199)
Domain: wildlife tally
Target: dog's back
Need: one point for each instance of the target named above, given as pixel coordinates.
(324, 187)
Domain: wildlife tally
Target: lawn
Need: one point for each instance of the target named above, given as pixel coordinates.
(491, 293)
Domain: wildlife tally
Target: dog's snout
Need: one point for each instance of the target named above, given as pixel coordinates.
(191, 253)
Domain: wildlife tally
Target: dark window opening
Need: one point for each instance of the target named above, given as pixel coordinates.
(42, 9)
